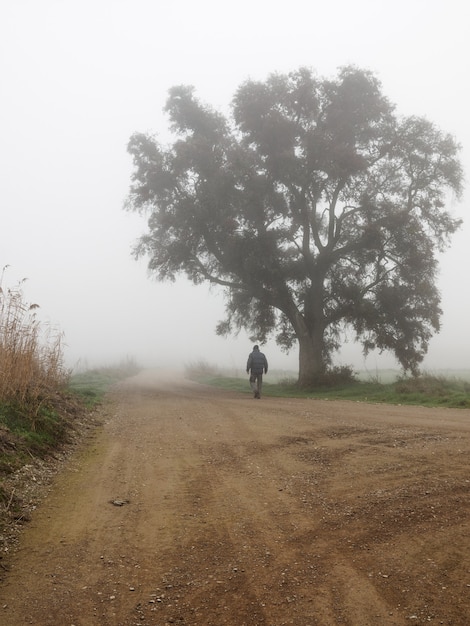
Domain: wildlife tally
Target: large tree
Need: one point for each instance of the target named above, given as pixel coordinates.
(316, 207)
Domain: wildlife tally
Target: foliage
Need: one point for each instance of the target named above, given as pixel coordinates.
(31, 355)
(315, 206)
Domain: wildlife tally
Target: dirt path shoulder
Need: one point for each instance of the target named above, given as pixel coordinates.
(198, 507)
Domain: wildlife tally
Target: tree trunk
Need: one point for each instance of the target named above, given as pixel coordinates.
(311, 357)
(310, 329)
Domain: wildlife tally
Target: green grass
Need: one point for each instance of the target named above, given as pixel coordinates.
(25, 435)
(92, 385)
(432, 391)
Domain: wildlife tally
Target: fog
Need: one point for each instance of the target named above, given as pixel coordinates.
(79, 77)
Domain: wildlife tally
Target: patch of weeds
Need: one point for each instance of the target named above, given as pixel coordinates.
(35, 432)
(433, 391)
(92, 385)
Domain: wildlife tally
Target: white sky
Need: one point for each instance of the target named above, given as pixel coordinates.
(78, 77)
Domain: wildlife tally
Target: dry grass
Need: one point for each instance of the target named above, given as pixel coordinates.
(31, 353)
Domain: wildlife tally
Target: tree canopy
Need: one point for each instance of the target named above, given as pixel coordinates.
(313, 204)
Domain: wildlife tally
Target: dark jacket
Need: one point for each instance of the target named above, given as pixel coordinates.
(257, 363)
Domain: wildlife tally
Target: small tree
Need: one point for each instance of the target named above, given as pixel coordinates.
(315, 206)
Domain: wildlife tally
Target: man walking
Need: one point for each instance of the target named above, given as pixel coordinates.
(256, 365)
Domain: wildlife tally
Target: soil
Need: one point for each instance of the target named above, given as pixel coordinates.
(198, 507)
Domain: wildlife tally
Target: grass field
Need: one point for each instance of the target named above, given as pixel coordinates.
(427, 390)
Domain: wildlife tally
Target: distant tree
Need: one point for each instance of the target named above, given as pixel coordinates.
(317, 208)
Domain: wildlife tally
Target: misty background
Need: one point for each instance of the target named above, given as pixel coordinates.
(79, 77)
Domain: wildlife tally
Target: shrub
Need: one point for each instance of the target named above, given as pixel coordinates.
(429, 385)
(200, 369)
(31, 354)
(335, 377)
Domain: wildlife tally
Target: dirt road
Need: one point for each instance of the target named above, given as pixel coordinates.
(230, 510)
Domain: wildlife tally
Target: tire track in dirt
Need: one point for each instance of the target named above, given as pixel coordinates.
(288, 559)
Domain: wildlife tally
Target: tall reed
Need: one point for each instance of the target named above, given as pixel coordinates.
(31, 354)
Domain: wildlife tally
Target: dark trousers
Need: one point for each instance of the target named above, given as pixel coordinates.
(256, 382)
